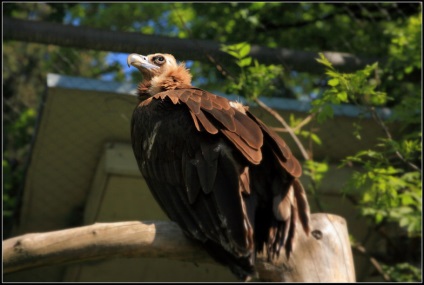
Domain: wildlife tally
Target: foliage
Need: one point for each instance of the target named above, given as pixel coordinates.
(315, 171)
(390, 180)
(266, 24)
(402, 272)
(297, 124)
(255, 79)
(391, 192)
(9, 200)
(390, 195)
(354, 87)
(13, 172)
(405, 42)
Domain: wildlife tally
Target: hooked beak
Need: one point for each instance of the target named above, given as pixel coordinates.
(140, 61)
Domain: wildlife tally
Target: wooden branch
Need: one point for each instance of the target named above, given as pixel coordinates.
(286, 126)
(183, 49)
(386, 130)
(98, 241)
(297, 127)
(361, 249)
(325, 256)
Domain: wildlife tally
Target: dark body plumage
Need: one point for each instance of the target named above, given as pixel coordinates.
(227, 180)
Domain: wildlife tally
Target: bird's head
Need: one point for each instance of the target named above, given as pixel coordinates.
(160, 72)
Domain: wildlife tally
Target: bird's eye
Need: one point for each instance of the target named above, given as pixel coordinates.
(159, 59)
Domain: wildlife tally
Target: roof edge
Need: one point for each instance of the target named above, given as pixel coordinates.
(81, 83)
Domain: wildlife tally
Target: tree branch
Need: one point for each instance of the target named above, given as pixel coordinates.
(98, 241)
(183, 49)
(329, 240)
(380, 122)
(359, 248)
(298, 126)
(286, 126)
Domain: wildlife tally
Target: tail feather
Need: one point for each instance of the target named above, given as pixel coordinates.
(302, 205)
(288, 210)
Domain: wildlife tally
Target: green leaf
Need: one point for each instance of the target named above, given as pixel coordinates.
(244, 50)
(342, 96)
(316, 139)
(379, 217)
(404, 222)
(332, 73)
(244, 62)
(323, 60)
(333, 82)
(325, 113)
(234, 53)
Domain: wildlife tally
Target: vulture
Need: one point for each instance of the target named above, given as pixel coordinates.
(228, 180)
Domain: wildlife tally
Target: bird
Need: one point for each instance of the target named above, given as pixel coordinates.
(226, 178)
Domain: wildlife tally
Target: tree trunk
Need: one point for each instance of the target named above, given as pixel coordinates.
(324, 256)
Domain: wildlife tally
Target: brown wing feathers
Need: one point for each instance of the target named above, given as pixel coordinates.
(237, 127)
(280, 149)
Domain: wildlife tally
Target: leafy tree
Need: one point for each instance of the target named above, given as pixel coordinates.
(302, 26)
(391, 177)
(391, 180)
